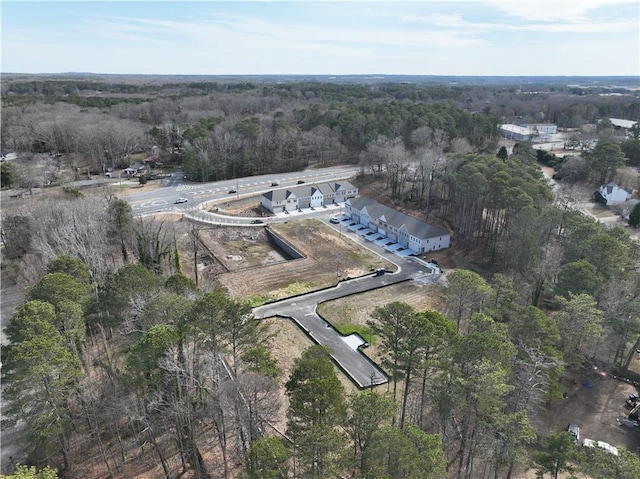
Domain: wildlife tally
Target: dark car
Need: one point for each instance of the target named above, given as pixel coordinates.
(300, 182)
(232, 191)
(256, 222)
(274, 183)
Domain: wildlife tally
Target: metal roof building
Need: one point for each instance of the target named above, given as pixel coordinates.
(515, 132)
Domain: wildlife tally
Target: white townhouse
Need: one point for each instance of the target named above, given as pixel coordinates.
(406, 230)
(307, 196)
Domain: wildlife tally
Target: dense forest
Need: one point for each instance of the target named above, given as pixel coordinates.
(119, 364)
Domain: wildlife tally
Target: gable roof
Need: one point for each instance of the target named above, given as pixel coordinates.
(279, 195)
(325, 188)
(307, 190)
(606, 190)
(412, 225)
(342, 185)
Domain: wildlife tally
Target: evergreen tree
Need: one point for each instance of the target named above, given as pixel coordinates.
(267, 458)
(316, 407)
(40, 376)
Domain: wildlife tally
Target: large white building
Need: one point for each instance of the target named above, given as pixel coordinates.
(418, 236)
(308, 196)
(542, 128)
(515, 132)
(622, 124)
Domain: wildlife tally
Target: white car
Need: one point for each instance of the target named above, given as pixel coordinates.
(334, 219)
(180, 200)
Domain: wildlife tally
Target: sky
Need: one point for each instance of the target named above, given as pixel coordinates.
(420, 37)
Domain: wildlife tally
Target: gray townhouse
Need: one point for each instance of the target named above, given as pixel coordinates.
(410, 232)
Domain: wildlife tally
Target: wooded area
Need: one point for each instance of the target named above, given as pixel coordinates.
(120, 365)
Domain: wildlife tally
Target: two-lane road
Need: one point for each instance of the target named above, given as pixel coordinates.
(164, 198)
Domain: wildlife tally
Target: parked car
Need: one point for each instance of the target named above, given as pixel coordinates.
(180, 200)
(629, 423)
(600, 444)
(256, 222)
(574, 430)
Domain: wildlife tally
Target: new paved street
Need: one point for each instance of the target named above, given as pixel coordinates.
(302, 310)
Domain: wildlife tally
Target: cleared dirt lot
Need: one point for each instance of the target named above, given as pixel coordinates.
(253, 268)
(596, 404)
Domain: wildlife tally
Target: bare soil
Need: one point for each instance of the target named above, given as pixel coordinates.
(596, 405)
(253, 268)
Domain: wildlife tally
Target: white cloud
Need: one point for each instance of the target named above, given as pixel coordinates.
(542, 16)
(336, 38)
(246, 30)
(552, 10)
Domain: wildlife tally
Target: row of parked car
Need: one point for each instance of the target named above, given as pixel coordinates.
(574, 430)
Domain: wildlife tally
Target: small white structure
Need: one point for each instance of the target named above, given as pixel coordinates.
(613, 194)
(515, 132)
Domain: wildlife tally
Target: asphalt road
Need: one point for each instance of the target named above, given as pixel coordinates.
(303, 310)
(163, 199)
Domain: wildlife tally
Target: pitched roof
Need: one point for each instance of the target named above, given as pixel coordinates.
(341, 185)
(307, 190)
(278, 195)
(609, 188)
(413, 225)
(325, 188)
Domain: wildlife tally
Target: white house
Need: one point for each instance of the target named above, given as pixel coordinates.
(407, 230)
(308, 196)
(613, 194)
